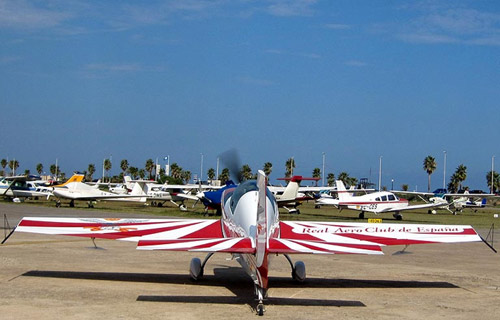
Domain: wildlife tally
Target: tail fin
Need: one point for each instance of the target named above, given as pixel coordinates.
(139, 190)
(291, 189)
(128, 182)
(261, 239)
(74, 178)
(342, 192)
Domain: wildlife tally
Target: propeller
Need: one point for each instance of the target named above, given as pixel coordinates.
(231, 160)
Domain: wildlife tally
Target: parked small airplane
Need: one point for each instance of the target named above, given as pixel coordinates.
(250, 230)
(17, 187)
(453, 202)
(376, 202)
(81, 191)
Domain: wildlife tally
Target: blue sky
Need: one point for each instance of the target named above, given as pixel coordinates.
(83, 80)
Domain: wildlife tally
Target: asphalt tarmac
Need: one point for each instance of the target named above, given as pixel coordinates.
(57, 277)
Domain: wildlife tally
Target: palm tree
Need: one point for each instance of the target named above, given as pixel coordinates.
(54, 170)
(246, 172)
(211, 174)
(150, 165)
(429, 167)
(330, 179)
(124, 165)
(39, 168)
(175, 171)
(453, 186)
(141, 173)
(90, 170)
(3, 163)
(496, 181)
(186, 176)
(107, 167)
(289, 166)
(13, 165)
(133, 172)
(268, 168)
(344, 177)
(461, 173)
(224, 176)
(404, 187)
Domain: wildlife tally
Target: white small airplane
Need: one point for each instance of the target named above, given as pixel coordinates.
(453, 202)
(77, 190)
(250, 230)
(376, 202)
(19, 187)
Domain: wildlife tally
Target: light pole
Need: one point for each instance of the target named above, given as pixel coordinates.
(492, 168)
(201, 168)
(444, 171)
(392, 184)
(323, 171)
(380, 173)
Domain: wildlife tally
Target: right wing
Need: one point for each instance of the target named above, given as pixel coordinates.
(362, 238)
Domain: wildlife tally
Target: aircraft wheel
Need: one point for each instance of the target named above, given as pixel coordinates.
(183, 208)
(195, 269)
(398, 216)
(299, 271)
(298, 211)
(160, 204)
(260, 309)
(317, 206)
(153, 203)
(58, 204)
(362, 215)
(455, 213)
(429, 211)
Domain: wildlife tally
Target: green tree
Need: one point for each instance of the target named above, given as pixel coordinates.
(268, 168)
(13, 165)
(39, 168)
(186, 176)
(461, 174)
(3, 163)
(90, 171)
(211, 174)
(107, 166)
(496, 181)
(149, 166)
(344, 177)
(27, 172)
(330, 179)
(141, 173)
(404, 187)
(224, 176)
(289, 166)
(133, 172)
(54, 170)
(246, 172)
(124, 165)
(175, 171)
(429, 167)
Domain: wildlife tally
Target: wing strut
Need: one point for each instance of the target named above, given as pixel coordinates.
(6, 227)
(490, 233)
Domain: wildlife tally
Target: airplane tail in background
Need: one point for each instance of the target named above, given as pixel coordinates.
(74, 178)
(128, 182)
(139, 190)
(291, 189)
(342, 192)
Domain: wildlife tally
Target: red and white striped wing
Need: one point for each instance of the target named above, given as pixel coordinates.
(123, 229)
(362, 238)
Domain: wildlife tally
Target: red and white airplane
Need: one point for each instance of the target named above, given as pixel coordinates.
(251, 231)
(376, 202)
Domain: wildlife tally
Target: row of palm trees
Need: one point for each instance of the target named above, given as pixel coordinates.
(459, 176)
(178, 175)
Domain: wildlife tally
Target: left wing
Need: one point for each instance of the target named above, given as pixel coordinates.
(151, 234)
(362, 238)
(417, 206)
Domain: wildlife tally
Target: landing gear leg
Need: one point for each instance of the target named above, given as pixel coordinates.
(298, 270)
(260, 293)
(58, 203)
(196, 267)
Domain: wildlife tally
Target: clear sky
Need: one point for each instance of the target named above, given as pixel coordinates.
(357, 80)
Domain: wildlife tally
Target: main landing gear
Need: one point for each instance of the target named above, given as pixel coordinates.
(196, 267)
(398, 216)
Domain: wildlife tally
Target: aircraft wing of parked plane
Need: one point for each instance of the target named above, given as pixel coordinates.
(84, 192)
(376, 202)
(251, 231)
(452, 202)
